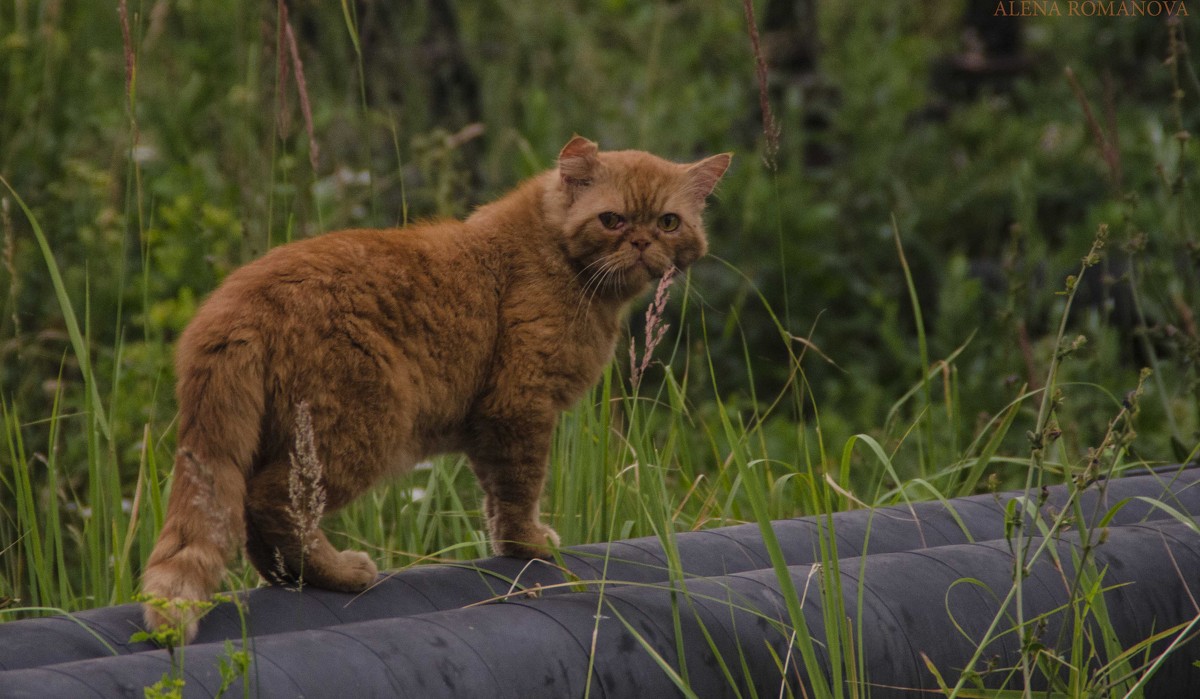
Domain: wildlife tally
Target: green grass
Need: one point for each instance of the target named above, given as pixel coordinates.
(894, 325)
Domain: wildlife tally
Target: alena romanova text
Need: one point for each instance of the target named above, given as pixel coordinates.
(1091, 8)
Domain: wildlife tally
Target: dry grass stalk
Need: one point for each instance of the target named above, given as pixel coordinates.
(1107, 144)
(306, 493)
(10, 265)
(282, 120)
(770, 129)
(127, 46)
(656, 329)
(278, 575)
(301, 83)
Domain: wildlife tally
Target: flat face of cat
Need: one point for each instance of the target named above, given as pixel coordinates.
(630, 215)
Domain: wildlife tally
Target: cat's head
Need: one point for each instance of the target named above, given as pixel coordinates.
(629, 216)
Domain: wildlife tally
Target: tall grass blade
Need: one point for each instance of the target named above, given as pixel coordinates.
(78, 343)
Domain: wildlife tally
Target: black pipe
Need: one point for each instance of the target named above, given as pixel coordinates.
(733, 631)
(421, 589)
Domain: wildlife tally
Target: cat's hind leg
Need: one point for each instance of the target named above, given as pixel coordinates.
(285, 543)
(516, 529)
(511, 469)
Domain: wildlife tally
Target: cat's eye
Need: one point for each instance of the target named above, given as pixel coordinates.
(611, 221)
(668, 223)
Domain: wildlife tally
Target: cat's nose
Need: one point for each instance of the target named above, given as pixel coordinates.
(640, 243)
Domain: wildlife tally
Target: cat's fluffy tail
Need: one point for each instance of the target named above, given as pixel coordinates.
(221, 400)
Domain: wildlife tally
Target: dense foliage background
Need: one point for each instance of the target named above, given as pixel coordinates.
(160, 144)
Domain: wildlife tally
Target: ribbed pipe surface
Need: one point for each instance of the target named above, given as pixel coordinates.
(738, 550)
(733, 632)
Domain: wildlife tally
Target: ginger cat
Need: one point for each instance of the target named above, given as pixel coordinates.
(390, 346)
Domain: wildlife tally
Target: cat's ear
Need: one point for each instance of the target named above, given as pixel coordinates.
(704, 175)
(577, 162)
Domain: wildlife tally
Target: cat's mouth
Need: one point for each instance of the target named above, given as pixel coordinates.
(629, 273)
(658, 265)
(646, 271)
(656, 272)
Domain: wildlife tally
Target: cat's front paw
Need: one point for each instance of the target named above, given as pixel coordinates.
(358, 570)
(345, 571)
(540, 544)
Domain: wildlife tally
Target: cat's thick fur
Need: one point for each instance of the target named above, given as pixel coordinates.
(467, 336)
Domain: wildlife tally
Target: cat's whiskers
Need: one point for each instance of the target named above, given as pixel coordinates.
(599, 260)
(605, 266)
(594, 283)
